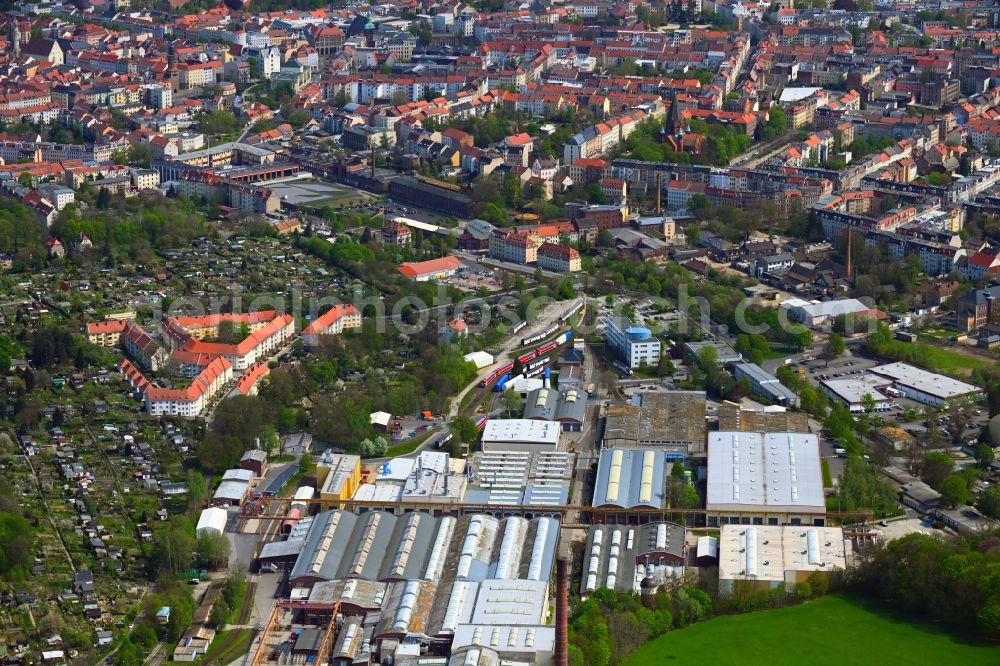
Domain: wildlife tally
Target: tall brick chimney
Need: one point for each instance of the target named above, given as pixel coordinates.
(561, 657)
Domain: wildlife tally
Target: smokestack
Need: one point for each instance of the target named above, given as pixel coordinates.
(659, 191)
(850, 234)
(561, 657)
(373, 162)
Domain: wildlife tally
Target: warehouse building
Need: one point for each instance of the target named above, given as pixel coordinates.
(816, 313)
(508, 617)
(766, 556)
(629, 478)
(567, 407)
(672, 421)
(519, 478)
(771, 418)
(411, 191)
(764, 384)
(430, 476)
(480, 358)
(926, 387)
(724, 354)
(625, 559)
(284, 553)
(432, 269)
(764, 478)
(234, 488)
(212, 519)
(851, 392)
(413, 585)
(379, 546)
(371, 546)
(520, 435)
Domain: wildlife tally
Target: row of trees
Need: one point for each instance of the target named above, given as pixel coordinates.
(812, 400)
(705, 371)
(955, 485)
(228, 603)
(953, 581)
(608, 626)
(53, 345)
(19, 227)
(17, 537)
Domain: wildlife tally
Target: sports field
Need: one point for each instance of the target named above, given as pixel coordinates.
(831, 630)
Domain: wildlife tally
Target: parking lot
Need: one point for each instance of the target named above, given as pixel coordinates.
(840, 368)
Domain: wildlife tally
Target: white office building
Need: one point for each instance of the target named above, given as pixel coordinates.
(634, 345)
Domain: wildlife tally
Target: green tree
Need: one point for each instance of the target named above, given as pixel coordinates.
(103, 198)
(218, 122)
(494, 215)
(342, 421)
(213, 549)
(173, 546)
(220, 615)
(937, 466)
(984, 455)
(701, 206)
(140, 155)
(595, 195)
(861, 487)
(954, 491)
(777, 122)
(512, 402)
(465, 429)
(511, 190)
(989, 502)
(834, 347)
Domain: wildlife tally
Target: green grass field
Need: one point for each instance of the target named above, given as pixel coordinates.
(946, 360)
(833, 630)
(954, 362)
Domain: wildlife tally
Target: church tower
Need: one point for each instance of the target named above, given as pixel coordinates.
(15, 38)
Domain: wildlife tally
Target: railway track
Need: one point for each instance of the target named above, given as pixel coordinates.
(247, 606)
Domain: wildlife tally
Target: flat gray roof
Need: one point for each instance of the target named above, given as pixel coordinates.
(767, 383)
(931, 383)
(775, 471)
(853, 391)
(512, 431)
